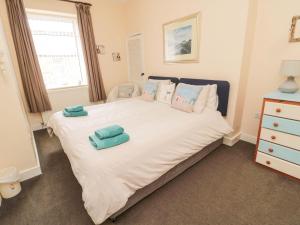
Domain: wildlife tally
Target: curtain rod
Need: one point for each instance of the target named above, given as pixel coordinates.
(70, 1)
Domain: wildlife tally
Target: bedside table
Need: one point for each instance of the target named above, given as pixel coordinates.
(278, 142)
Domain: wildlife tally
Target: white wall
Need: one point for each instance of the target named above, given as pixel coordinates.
(223, 28)
(270, 47)
(16, 143)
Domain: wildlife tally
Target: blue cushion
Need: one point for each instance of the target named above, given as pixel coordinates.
(150, 89)
(186, 96)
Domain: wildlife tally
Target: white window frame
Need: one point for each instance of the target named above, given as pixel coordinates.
(50, 14)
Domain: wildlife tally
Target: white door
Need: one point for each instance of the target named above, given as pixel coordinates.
(135, 58)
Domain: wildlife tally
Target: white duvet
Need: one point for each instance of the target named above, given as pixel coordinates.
(160, 138)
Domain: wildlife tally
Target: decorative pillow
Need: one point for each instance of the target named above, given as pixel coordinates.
(149, 92)
(213, 99)
(186, 96)
(160, 82)
(165, 93)
(202, 99)
(125, 91)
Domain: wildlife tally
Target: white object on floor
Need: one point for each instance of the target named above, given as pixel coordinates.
(9, 182)
(160, 138)
(114, 92)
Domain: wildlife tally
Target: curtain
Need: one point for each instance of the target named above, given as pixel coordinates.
(31, 75)
(96, 88)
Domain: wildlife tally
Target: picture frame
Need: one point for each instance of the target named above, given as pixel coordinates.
(181, 39)
(295, 29)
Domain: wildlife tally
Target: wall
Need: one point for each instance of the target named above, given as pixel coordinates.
(271, 46)
(16, 143)
(108, 21)
(223, 29)
(248, 47)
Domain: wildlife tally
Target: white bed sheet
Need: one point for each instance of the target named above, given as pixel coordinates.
(160, 138)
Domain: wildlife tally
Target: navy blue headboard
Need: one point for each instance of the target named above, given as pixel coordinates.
(222, 91)
(173, 79)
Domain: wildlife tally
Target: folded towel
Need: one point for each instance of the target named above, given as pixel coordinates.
(109, 132)
(75, 108)
(75, 114)
(108, 142)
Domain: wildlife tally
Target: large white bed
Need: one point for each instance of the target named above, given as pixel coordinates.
(160, 138)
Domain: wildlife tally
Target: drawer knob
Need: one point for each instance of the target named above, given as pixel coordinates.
(273, 137)
(275, 124)
(278, 110)
(271, 150)
(268, 162)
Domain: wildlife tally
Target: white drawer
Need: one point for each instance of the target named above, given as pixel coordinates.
(278, 164)
(282, 110)
(280, 138)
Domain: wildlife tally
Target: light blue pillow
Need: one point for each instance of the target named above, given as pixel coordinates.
(150, 89)
(186, 96)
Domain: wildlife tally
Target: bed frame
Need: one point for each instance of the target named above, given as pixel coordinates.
(223, 94)
(170, 175)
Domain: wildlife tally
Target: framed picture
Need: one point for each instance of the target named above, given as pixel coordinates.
(181, 40)
(295, 29)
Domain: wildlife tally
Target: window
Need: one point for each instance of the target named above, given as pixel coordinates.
(57, 42)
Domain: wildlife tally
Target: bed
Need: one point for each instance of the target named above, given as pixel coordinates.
(163, 143)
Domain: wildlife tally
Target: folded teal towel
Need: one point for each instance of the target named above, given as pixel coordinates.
(109, 132)
(75, 114)
(75, 108)
(108, 142)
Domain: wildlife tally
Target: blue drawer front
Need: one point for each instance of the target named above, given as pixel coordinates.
(279, 151)
(280, 124)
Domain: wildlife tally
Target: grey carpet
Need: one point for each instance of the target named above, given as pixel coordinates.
(225, 188)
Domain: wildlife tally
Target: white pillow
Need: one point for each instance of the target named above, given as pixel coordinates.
(212, 100)
(165, 93)
(202, 99)
(125, 91)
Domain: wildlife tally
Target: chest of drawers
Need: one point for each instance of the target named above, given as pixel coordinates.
(278, 142)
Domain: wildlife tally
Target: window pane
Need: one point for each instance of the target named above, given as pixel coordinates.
(59, 51)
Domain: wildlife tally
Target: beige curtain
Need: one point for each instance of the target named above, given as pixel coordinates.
(96, 88)
(33, 84)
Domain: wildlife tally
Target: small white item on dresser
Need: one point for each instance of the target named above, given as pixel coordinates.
(278, 145)
(9, 182)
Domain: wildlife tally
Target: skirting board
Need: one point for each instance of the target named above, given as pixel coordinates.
(248, 138)
(231, 140)
(30, 173)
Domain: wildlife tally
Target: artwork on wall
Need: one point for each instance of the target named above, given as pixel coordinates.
(116, 56)
(295, 29)
(181, 40)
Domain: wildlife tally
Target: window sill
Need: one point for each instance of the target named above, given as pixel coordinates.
(52, 90)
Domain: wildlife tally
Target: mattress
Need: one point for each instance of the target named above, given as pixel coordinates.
(160, 138)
